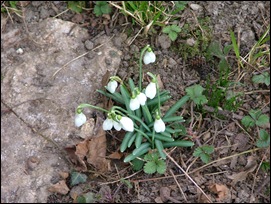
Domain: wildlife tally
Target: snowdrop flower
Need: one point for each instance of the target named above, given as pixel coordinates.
(140, 99)
(109, 123)
(159, 125)
(127, 124)
(151, 90)
(80, 119)
(111, 86)
(149, 57)
(134, 104)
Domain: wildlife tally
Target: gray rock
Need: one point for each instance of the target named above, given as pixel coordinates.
(164, 41)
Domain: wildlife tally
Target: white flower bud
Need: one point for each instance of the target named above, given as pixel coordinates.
(112, 86)
(80, 119)
(151, 90)
(149, 57)
(159, 125)
(127, 124)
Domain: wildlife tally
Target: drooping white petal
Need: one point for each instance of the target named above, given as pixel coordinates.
(108, 124)
(159, 125)
(80, 119)
(111, 86)
(117, 126)
(141, 98)
(134, 104)
(127, 124)
(149, 57)
(151, 90)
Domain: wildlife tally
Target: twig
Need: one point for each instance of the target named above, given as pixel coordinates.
(178, 185)
(81, 56)
(187, 175)
(111, 182)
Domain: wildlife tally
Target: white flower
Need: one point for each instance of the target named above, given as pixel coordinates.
(109, 123)
(149, 57)
(127, 124)
(140, 99)
(80, 119)
(151, 90)
(134, 104)
(159, 125)
(111, 86)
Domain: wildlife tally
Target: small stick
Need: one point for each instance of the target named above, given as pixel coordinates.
(187, 175)
(178, 185)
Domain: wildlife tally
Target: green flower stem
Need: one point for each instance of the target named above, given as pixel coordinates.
(140, 66)
(144, 134)
(86, 105)
(152, 140)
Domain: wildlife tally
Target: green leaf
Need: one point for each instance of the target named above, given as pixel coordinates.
(77, 178)
(264, 140)
(97, 11)
(150, 167)
(262, 78)
(161, 166)
(198, 151)
(175, 28)
(86, 198)
(214, 49)
(137, 164)
(166, 29)
(262, 120)
(205, 158)
(75, 6)
(200, 100)
(173, 36)
(255, 114)
(265, 166)
(208, 149)
(247, 121)
(106, 9)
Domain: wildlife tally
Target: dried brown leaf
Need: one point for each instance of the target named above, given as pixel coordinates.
(240, 141)
(250, 167)
(222, 191)
(79, 164)
(63, 174)
(87, 129)
(97, 150)
(159, 81)
(115, 155)
(60, 187)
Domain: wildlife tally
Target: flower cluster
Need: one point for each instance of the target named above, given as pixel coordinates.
(138, 112)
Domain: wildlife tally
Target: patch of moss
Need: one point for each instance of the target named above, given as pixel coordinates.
(201, 34)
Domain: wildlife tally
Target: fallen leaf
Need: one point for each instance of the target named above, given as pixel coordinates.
(77, 178)
(159, 81)
(87, 129)
(115, 155)
(63, 174)
(97, 151)
(60, 187)
(240, 141)
(79, 164)
(241, 176)
(221, 190)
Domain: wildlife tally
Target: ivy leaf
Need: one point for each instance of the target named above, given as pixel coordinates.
(247, 121)
(86, 198)
(150, 167)
(264, 140)
(77, 178)
(195, 93)
(161, 166)
(262, 120)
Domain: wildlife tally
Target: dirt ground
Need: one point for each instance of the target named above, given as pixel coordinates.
(49, 65)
